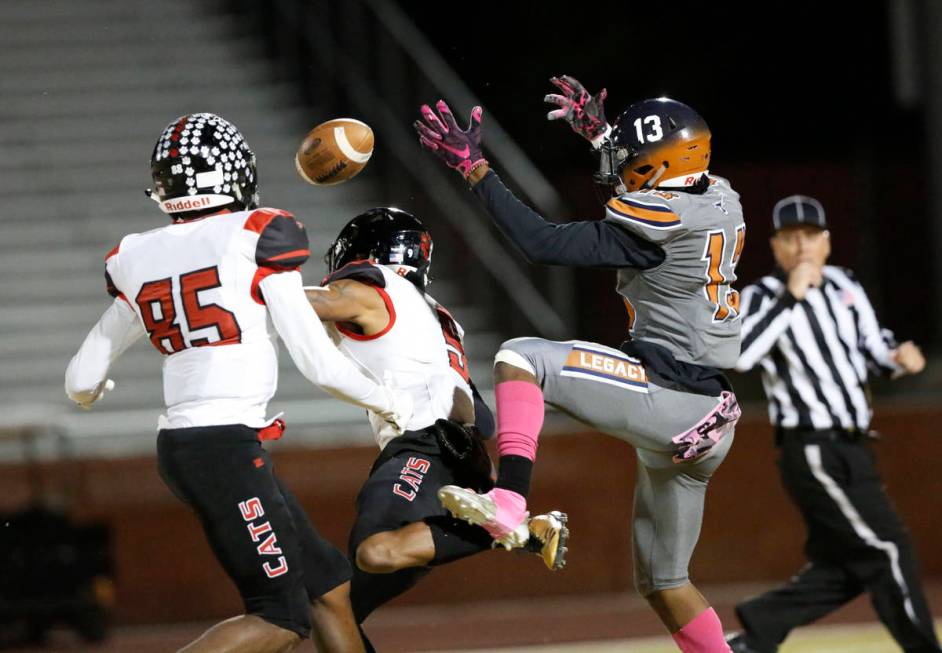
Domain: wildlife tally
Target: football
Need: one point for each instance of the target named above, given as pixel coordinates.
(334, 151)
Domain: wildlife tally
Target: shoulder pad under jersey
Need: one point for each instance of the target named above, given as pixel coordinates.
(722, 183)
(653, 215)
(363, 271)
(282, 239)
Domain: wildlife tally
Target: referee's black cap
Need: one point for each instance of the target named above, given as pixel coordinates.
(798, 209)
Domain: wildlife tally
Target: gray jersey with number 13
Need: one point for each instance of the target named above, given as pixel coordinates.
(687, 304)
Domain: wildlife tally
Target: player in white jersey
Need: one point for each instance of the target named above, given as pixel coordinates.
(375, 294)
(211, 291)
(674, 234)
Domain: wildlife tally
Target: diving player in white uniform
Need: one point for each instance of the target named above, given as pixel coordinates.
(375, 294)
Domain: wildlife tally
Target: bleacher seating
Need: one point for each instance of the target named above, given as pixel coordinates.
(87, 87)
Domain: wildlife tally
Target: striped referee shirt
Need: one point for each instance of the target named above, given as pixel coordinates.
(814, 354)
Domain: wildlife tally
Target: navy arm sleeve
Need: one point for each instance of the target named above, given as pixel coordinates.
(578, 244)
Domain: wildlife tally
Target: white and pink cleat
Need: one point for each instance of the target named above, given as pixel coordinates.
(502, 513)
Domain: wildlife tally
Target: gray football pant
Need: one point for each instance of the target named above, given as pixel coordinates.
(595, 385)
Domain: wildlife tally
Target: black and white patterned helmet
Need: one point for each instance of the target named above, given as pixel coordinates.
(201, 161)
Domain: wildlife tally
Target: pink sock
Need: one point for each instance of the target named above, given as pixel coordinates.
(704, 634)
(519, 418)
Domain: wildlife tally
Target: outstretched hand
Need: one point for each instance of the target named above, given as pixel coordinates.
(440, 134)
(584, 113)
(105, 386)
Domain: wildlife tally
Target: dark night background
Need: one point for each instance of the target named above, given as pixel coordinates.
(799, 96)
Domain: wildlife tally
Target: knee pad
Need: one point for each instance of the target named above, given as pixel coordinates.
(518, 353)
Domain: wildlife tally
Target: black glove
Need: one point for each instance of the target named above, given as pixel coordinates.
(464, 452)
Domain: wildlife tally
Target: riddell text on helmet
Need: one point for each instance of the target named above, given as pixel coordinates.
(184, 205)
(195, 203)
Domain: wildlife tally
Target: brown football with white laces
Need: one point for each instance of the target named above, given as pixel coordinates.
(334, 151)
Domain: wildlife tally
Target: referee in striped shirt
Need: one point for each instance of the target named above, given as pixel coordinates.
(812, 331)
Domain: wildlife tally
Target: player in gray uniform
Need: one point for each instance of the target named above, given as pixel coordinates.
(674, 234)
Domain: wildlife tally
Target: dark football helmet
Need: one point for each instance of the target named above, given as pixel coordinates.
(657, 142)
(388, 236)
(201, 162)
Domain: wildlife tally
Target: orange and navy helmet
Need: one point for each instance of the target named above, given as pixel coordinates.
(656, 143)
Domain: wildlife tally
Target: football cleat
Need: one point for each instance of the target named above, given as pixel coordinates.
(501, 513)
(737, 643)
(548, 538)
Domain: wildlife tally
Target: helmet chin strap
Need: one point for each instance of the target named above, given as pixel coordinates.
(652, 182)
(250, 202)
(151, 194)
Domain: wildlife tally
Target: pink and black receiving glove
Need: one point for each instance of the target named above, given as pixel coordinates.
(584, 113)
(440, 134)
